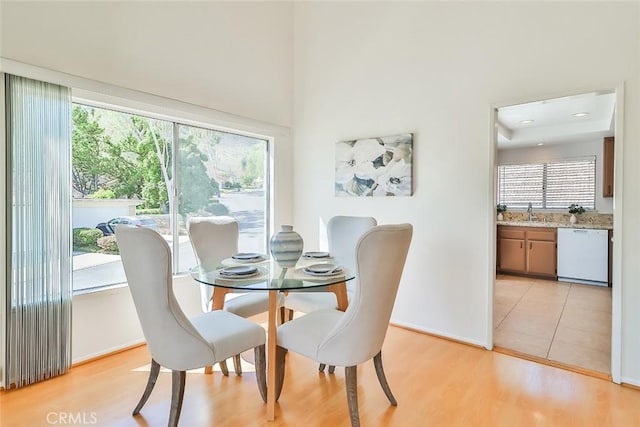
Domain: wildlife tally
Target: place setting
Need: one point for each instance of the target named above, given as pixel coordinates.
(316, 255)
(249, 257)
(239, 272)
(323, 270)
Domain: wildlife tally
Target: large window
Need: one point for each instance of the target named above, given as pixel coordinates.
(136, 170)
(550, 185)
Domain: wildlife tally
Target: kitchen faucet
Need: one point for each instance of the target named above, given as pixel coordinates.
(530, 211)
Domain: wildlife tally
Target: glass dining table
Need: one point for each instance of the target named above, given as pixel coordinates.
(267, 275)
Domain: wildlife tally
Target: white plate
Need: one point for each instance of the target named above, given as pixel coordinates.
(248, 257)
(316, 255)
(239, 271)
(323, 270)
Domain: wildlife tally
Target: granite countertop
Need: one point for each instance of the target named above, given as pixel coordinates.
(556, 225)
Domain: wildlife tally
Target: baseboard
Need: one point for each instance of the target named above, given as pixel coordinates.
(438, 334)
(106, 353)
(630, 382)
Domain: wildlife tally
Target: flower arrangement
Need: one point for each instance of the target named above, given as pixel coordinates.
(501, 208)
(576, 209)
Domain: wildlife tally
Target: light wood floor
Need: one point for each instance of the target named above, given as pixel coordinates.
(557, 321)
(436, 383)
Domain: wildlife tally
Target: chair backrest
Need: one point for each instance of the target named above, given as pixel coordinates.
(381, 253)
(343, 233)
(172, 339)
(213, 238)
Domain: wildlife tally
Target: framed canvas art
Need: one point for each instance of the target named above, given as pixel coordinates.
(377, 167)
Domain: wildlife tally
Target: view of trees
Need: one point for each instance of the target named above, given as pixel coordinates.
(119, 155)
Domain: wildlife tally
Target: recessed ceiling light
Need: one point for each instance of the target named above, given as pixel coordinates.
(526, 122)
(540, 143)
(580, 114)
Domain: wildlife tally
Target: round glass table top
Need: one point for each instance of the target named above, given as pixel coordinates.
(268, 275)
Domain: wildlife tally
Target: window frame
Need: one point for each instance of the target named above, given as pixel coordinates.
(177, 120)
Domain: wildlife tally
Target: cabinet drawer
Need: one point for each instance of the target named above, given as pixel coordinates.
(511, 233)
(542, 235)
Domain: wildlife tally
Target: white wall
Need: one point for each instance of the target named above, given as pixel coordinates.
(171, 59)
(107, 321)
(89, 212)
(233, 57)
(436, 69)
(559, 152)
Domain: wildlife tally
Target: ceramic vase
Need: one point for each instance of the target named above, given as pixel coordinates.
(286, 246)
(573, 219)
(500, 216)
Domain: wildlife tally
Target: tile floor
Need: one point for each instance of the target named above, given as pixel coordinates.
(562, 322)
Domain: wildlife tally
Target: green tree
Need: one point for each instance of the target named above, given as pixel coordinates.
(128, 156)
(197, 189)
(88, 145)
(253, 166)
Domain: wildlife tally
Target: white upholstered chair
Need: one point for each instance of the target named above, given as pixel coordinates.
(174, 341)
(214, 239)
(352, 337)
(343, 233)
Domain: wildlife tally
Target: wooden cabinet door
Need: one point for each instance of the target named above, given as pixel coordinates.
(541, 258)
(607, 167)
(512, 255)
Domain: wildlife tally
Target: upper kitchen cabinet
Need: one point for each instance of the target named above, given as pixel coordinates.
(607, 167)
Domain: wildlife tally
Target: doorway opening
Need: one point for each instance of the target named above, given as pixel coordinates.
(549, 305)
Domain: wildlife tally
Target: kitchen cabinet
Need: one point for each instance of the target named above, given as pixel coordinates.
(607, 167)
(527, 250)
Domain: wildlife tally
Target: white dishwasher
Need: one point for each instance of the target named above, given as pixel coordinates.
(583, 256)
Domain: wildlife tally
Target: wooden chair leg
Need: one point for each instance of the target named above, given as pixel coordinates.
(351, 376)
(290, 314)
(280, 354)
(151, 382)
(223, 368)
(236, 364)
(177, 393)
(332, 369)
(208, 370)
(377, 361)
(321, 367)
(261, 371)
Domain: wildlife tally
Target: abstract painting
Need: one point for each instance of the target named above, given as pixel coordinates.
(377, 167)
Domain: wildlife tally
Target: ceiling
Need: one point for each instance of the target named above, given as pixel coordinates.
(554, 121)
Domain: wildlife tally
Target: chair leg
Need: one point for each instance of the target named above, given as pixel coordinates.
(321, 367)
(261, 371)
(351, 376)
(236, 364)
(151, 382)
(280, 354)
(332, 369)
(177, 393)
(223, 368)
(290, 314)
(377, 361)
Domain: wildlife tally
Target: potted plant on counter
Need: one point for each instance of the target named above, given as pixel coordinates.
(574, 210)
(500, 209)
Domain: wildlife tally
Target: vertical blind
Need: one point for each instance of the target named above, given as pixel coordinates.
(38, 292)
(550, 185)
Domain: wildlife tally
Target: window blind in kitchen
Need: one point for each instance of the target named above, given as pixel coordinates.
(549, 185)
